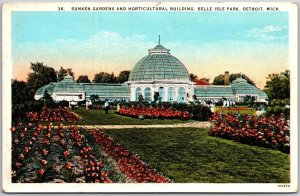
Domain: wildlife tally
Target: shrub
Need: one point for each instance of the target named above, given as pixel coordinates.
(200, 112)
(278, 106)
(276, 110)
(19, 111)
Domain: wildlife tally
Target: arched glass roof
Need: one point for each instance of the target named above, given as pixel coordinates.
(159, 64)
(241, 86)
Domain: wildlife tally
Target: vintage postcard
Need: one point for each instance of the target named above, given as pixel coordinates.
(150, 97)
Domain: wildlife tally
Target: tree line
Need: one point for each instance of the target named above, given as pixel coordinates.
(277, 86)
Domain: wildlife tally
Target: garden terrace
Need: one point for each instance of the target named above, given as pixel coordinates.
(42, 153)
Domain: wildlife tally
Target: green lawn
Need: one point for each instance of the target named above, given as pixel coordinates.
(98, 117)
(190, 155)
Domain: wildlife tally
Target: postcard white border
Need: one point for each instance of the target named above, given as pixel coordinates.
(173, 187)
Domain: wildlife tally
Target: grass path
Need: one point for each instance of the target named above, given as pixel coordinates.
(190, 155)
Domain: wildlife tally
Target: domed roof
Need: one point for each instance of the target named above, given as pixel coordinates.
(239, 81)
(68, 79)
(159, 64)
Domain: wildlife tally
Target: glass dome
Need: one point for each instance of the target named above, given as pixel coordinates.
(159, 64)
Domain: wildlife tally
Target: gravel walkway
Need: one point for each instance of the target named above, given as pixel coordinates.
(205, 124)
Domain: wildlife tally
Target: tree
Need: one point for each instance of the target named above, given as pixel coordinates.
(41, 75)
(63, 72)
(123, 76)
(278, 85)
(219, 80)
(102, 77)
(19, 93)
(193, 77)
(47, 99)
(83, 79)
(113, 78)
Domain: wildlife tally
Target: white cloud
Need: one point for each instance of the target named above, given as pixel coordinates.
(104, 51)
(267, 33)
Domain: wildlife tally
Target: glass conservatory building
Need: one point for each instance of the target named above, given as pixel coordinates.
(158, 71)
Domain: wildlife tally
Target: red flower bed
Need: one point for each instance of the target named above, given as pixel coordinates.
(43, 154)
(53, 115)
(273, 131)
(129, 164)
(147, 112)
(92, 167)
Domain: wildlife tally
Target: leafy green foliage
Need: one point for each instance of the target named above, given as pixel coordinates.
(200, 112)
(219, 80)
(19, 92)
(41, 75)
(193, 77)
(104, 77)
(63, 72)
(278, 85)
(277, 106)
(123, 76)
(19, 110)
(83, 79)
(47, 99)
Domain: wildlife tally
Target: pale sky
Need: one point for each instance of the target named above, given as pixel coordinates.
(208, 44)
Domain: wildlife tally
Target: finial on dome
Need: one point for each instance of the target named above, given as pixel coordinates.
(159, 39)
